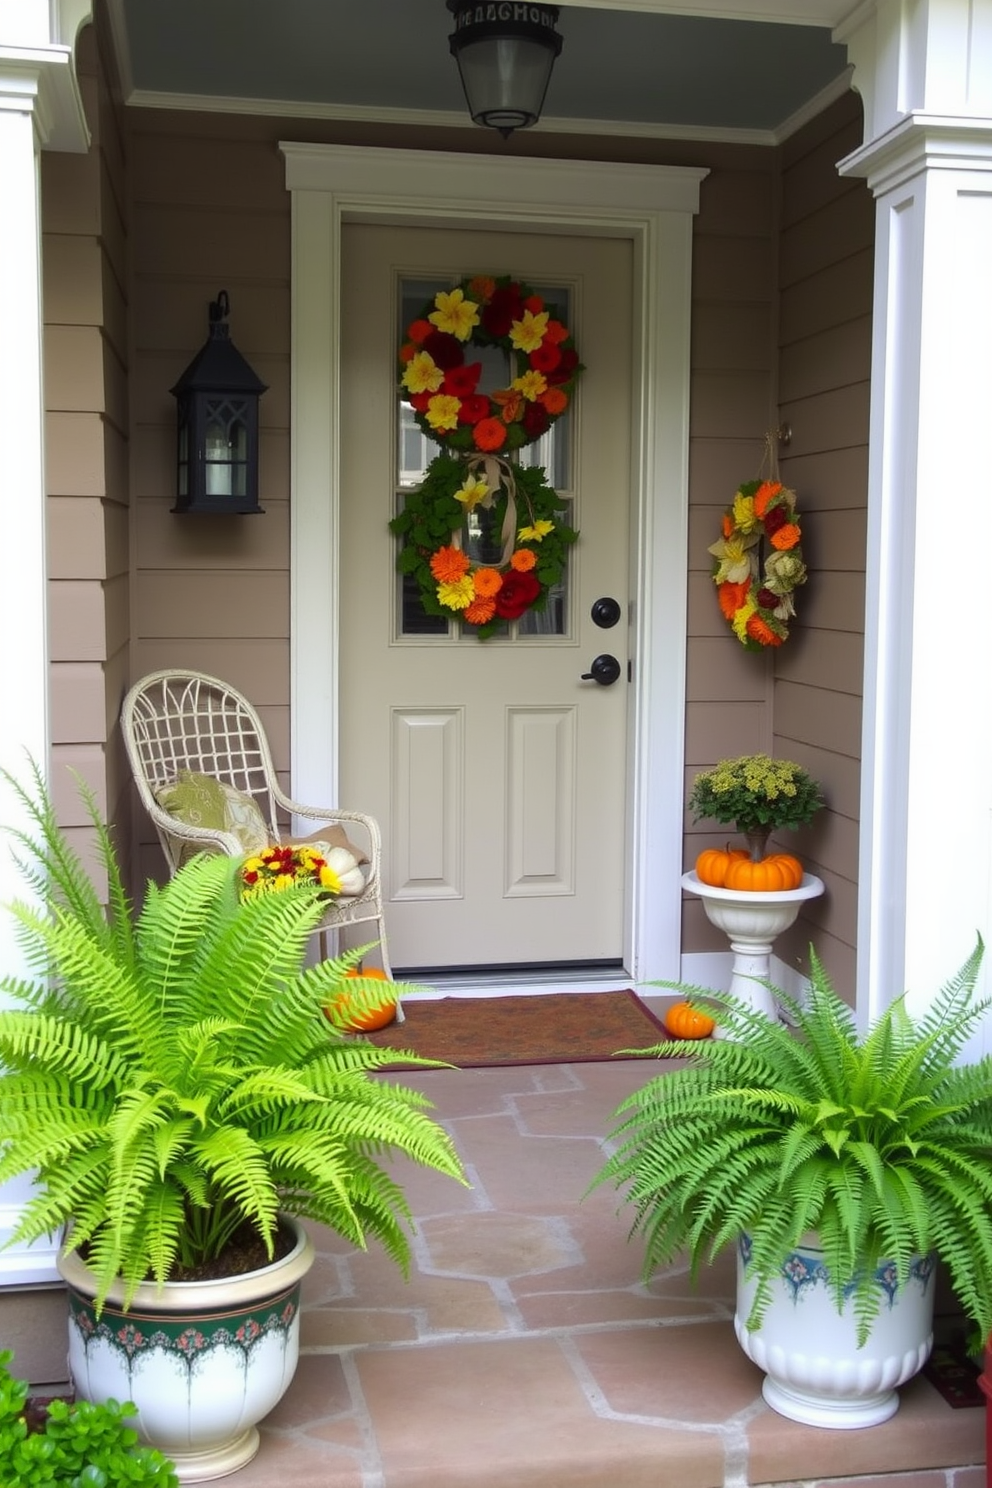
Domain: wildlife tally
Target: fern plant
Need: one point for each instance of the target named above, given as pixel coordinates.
(881, 1145)
(171, 1076)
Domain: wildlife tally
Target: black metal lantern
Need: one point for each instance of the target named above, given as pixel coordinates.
(505, 52)
(217, 412)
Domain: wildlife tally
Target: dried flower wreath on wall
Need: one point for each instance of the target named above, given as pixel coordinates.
(757, 601)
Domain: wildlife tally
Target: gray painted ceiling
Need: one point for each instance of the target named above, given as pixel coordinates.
(629, 67)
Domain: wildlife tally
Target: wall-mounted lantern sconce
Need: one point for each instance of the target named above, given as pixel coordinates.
(217, 413)
(505, 52)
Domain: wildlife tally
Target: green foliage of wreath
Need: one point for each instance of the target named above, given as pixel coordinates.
(432, 514)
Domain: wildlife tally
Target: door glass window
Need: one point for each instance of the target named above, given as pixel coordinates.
(415, 451)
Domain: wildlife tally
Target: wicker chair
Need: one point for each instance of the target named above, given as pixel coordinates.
(177, 722)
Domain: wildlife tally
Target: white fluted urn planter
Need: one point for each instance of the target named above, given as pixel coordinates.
(751, 921)
(814, 1371)
(203, 1361)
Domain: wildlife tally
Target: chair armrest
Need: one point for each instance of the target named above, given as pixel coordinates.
(336, 815)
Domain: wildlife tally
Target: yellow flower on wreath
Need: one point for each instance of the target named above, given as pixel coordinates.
(422, 375)
(733, 555)
(472, 492)
(527, 333)
(458, 594)
(537, 532)
(442, 411)
(745, 517)
(455, 314)
(531, 385)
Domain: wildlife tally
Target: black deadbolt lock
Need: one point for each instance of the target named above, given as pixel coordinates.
(605, 613)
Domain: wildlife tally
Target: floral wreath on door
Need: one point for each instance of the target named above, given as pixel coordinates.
(472, 482)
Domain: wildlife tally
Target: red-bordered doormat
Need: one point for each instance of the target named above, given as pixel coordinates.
(544, 1028)
(952, 1371)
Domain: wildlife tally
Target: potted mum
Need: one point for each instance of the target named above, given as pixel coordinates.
(839, 1168)
(758, 795)
(174, 1083)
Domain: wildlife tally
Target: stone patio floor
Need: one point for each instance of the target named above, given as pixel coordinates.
(525, 1351)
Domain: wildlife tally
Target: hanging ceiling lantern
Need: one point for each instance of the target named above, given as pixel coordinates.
(505, 52)
(217, 418)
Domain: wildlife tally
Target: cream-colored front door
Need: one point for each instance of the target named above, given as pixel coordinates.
(496, 770)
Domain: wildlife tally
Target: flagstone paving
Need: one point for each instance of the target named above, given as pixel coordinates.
(525, 1351)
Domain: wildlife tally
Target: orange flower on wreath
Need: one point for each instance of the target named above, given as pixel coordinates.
(554, 400)
(765, 493)
(759, 631)
(490, 434)
(731, 597)
(786, 537)
(482, 286)
(488, 581)
(449, 564)
(523, 560)
(727, 526)
(480, 611)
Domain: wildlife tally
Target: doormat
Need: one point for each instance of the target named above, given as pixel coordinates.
(953, 1372)
(545, 1028)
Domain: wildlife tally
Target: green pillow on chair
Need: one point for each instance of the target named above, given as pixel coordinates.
(202, 801)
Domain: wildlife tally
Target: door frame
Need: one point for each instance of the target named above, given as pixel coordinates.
(653, 207)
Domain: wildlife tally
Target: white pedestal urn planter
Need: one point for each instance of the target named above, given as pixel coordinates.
(814, 1370)
(203, 1361)
(751, 921)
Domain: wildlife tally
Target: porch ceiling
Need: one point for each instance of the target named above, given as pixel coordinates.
(736, 70)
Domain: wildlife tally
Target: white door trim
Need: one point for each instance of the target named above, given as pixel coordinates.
(653, 206)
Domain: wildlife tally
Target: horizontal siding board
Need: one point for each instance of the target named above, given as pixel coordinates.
(259, 669)
(836, 540)
(228, 172)
(720, 669)
(727, 269)
(811, 244)
(738, 203)
(831, 720)
(225, 606)
(717, 465)
(730, 337)
(833, 599)
(74, 453)
(831, 420)
(183, 542)
(833, 657)
(171, 316)
(729, 403)
(828, 479)
(202, 243)
(829, 360)
(78, 706)
(842, 290)
(721, 730)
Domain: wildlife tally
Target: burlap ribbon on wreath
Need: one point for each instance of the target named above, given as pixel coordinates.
(496, 473)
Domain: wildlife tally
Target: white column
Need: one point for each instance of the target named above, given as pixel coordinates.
(23, 650)
(925, 71)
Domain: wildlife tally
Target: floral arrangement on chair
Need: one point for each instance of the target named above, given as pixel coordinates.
(335, 869)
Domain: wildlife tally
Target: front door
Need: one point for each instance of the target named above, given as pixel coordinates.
(496, 769)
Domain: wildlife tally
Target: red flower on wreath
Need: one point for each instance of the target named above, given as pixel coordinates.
(462, 381)
(473, 409)
(445, 350)
(517, 594)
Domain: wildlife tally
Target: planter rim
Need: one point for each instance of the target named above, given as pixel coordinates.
(185, 1296)
(810, 888)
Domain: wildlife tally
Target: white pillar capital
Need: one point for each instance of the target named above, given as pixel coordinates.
(931, 57)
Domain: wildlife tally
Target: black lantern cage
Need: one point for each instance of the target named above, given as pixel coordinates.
(217, 426)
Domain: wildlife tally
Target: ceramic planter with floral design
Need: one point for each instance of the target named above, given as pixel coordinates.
(203, 1361)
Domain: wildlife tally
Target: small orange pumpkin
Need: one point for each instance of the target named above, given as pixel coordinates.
(713, 863)
(683, 1021)
(372, 1018)
(764, 877)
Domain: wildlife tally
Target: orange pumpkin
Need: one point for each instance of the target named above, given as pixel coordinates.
(792, 866)
(366, 1022)
(683, 1021)
(767, 876)
(713, 863)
